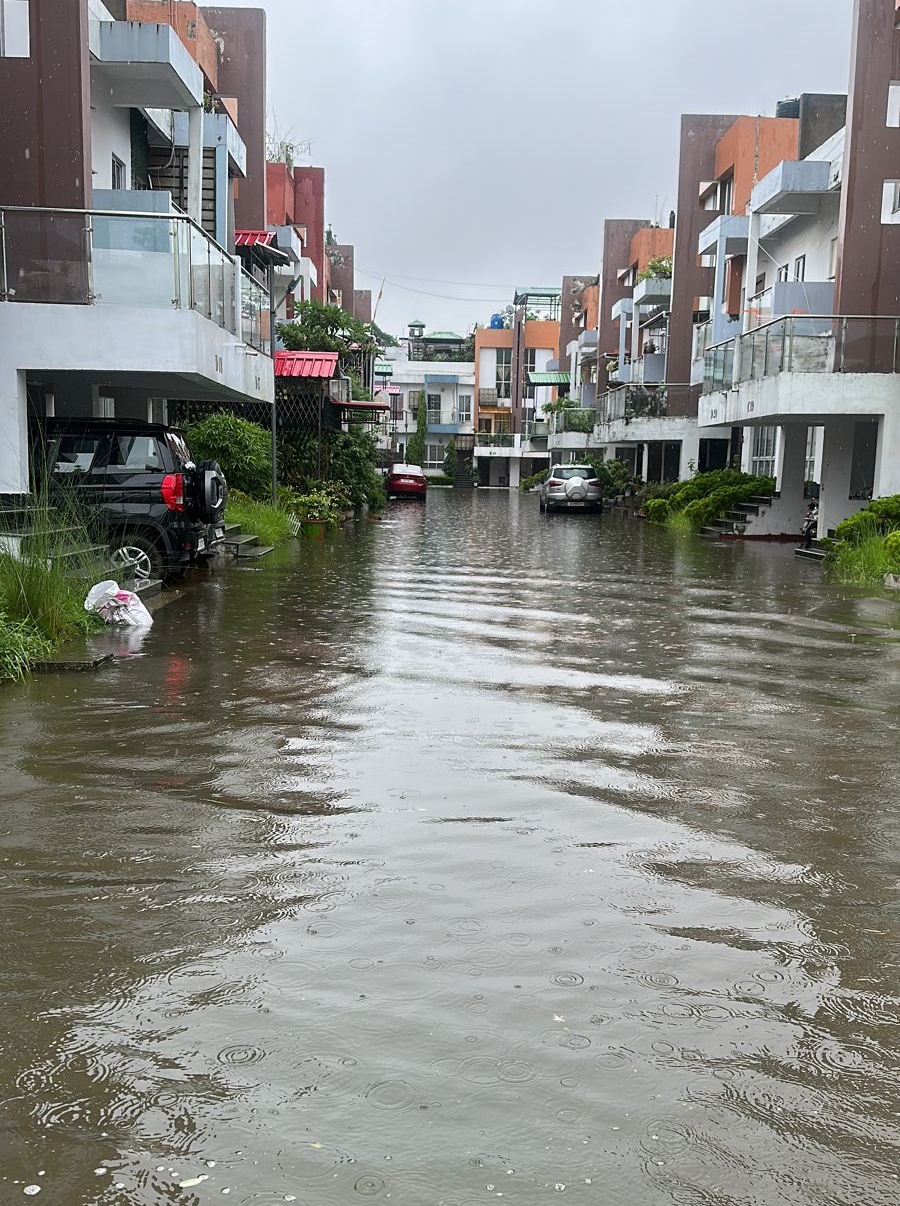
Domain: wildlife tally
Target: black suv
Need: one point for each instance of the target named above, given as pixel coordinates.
(139, 489)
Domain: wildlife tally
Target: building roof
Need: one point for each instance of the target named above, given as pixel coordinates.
(360, 405)
(557, 378)
(445, 335)
(305, 364)
(537, 293)
(254, 238)
(384, 368)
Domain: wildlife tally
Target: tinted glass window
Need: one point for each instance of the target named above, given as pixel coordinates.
(76, 453)
(136, 453)
(565, 472)
(179, 448)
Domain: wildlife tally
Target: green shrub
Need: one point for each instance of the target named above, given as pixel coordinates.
(533, 479)
(657, 509)
(707, 496)
(883, 513)
(866, 559)
(271, 524)
(21, 644)
(243, 449)
(440, 479)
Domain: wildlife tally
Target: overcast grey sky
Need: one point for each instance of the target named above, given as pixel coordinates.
(487, 140)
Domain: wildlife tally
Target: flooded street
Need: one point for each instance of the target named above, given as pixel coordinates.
(467, 854)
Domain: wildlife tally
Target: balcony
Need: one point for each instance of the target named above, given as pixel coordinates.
(790, 298)
(632, 402)
(727, 235)
(488, 398)
(572, 429)
(218, 131)
(621, 374)
(803, 367)
(140, 64)
(793, 187)
(653, 291)
(132, 293)
(650, 369)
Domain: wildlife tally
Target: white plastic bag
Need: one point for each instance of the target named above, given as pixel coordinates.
(117, 606)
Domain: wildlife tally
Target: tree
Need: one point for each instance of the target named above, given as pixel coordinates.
(658, 269)
(415, 449)
(383, 339)
(450, 458)
(321, 328)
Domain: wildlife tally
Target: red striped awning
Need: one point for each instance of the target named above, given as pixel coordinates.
(254, 238)
(305, 364)
(394, 390)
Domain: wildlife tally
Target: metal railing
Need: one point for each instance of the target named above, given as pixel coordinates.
(116, 258)
(633, 402)
(805, 344)
(573, 419)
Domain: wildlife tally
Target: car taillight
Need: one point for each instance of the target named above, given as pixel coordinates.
(554, 482)
(172, 490)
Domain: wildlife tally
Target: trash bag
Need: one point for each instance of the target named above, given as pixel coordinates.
(117, 606)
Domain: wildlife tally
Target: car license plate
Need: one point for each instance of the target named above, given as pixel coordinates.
(576, 504)
(201, 544)
(219, 532)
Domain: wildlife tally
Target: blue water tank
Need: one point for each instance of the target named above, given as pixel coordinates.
(496, 322)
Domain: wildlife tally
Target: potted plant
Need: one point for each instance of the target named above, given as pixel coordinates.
(316, 511)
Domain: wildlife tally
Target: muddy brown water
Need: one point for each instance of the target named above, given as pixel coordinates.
(466, 855)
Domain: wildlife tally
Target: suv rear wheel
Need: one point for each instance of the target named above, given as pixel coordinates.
(136, 557)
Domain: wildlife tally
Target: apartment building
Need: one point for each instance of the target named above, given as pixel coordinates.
(810, 379)
(126, 170)
(448, 391)
(516, 375)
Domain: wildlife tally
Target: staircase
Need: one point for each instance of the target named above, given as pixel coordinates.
(464, 475)
(735, 523)
(243, 545)
(814, 553)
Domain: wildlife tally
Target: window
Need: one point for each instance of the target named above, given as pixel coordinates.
(464, 408)
(75, 453)
(726, 194)
(760, 282)
(762, 463)
(118, 173)
(783, 273)
(137, 454)
(530, 363)
(812, 439)
(832, 260)
(396, 406)
(484, 426)
(434, 408)
(434, 456)
(504, 372)
(800, 268)
(104, 408)
(414, 399)
(15, 31)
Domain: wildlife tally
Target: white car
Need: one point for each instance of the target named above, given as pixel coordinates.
(571, 488)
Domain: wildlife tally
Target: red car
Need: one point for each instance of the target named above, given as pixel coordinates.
(406, 481)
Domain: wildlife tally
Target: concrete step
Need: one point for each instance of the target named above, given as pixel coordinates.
(762, 500)
(811, 554)
(724, 525)
(748, 508)
(237, 541)
(147, 588)
(251, 552)
(710, 533)
(100, 551)
(232, 529)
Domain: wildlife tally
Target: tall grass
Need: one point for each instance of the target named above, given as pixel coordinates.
(271, 524)
(865, 562)
(44, 582)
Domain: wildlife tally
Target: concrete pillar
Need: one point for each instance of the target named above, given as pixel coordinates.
(791, 477)
(751, 270)
(515, 467)
(887, 456)
(837, 463)
(635, 334)
(195, 164)
(719, 318)
(690, 454)
(645, 460)
(623, 339)
(14, 423)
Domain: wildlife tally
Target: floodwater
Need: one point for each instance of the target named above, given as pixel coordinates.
(468, 854)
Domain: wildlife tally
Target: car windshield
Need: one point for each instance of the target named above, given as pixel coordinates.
(564, 472)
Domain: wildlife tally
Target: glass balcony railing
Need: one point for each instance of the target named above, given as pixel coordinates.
(573, 420)
(496, 439)
(805, 344)
(109, 258)
(633, 402)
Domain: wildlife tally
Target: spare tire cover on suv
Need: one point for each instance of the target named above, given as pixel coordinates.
(209, 491)
(576, 488)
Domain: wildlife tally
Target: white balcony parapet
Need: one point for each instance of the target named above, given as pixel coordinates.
(726, 235)
(793, 187)
(623, 308)
(145, 64)
(138, 260)
(653, 291)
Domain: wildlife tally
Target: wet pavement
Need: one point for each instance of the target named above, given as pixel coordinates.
(468, 854)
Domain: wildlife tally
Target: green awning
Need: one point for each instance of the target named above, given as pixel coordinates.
(557, 378)
(384, 368)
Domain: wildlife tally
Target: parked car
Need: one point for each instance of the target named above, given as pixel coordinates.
(571, 488)
(406, 481)
(137, 488)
